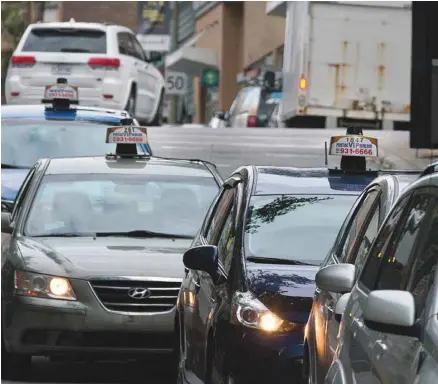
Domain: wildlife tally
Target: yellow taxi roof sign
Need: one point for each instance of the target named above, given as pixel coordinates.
(127, 135)
(354, 145)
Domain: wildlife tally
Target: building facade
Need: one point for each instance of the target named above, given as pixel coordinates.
(232, 37)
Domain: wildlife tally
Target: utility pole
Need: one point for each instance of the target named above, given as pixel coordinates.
(174, 103)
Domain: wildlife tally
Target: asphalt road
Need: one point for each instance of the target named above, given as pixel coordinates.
(229, 149)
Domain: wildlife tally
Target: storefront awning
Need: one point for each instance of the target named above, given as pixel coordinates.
(190, 59)
(276, 8)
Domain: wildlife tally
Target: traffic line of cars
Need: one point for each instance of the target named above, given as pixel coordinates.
(244, 280)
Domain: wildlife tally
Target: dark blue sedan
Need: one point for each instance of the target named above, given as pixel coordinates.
(249, 284)
(31, 132)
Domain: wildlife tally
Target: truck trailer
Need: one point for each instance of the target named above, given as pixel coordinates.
(347, 64)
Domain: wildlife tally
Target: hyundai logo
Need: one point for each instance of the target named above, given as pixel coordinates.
(139, 293)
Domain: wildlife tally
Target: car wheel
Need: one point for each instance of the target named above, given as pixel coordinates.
(14, 366)
(130, 105)
(158, 118)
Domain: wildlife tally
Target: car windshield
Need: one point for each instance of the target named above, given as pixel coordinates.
(25, 140)
(120, 203)
(267, 104)
(291, 227)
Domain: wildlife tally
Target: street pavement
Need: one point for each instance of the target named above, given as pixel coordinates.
(229, 149)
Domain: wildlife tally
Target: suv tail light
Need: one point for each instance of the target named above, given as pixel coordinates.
(252, 121)
(104, 62)
(23, 60)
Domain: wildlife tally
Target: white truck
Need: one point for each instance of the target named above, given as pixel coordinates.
(346, 64)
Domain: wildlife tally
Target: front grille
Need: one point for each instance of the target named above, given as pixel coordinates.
(113, 294)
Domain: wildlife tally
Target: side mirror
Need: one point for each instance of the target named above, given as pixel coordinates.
(202, 258)
(220, 115)
(336, 278)
(6, 222)
(7, 206)
(390, 312)
(341, 305)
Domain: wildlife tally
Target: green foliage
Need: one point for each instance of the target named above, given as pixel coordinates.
(13, 23)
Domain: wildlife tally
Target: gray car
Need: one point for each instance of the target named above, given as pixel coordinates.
(92, 255)
(352, 243)
(389, 329)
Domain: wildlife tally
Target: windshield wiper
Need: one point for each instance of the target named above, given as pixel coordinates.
(143, 234)
(274, 260)
(12, 166)
(67, 234)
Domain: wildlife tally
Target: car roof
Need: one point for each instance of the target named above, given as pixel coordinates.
(81, 25)
(39, 110)
(289, 180)
(111, 165)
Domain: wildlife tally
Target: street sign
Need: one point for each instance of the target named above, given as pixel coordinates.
(210, 78)
(176, 83)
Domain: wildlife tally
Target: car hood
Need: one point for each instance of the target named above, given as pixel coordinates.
(11, 182)
(287, 290)
(87, 258)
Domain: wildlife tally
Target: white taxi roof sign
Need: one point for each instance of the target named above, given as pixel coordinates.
(61, 91)
(354, 145)
(127, 135)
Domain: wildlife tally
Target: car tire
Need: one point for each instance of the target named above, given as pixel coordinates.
(15, 366)
(130, 105)
(158, 118)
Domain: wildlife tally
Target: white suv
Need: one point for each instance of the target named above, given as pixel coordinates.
(106, 62)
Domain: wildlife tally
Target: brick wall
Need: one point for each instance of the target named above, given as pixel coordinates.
(117, 12)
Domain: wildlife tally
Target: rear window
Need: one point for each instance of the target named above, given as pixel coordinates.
(69, 40)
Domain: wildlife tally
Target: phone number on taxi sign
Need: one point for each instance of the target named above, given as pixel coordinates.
(128, 139)
(354, 151)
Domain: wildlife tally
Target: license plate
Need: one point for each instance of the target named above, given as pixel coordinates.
(61, 69)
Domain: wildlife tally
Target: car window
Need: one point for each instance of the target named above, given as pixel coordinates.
(372, 264)
(21, 194)
(138, 51)
(69, 40)
(87, 203)
(222, 207)
(126, 46)
(25, 140)
(394, 271)
(424, 266)
(367, 239)
(294, 227)
(268, 105)
(227, 239)
(349, 241)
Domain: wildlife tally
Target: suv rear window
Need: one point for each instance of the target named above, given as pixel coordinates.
(65, 40)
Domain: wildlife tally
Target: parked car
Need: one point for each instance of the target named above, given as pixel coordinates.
(389, 325)
(249, 283)
(253, 106)
(31, 132)
(351, 246)
(92, 253)
(105, 61)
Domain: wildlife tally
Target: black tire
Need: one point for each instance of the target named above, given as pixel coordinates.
(130, 105)
(158, 118)
(14, 366)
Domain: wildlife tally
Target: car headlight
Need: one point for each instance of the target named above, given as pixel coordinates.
(247, 310)
(38, 285)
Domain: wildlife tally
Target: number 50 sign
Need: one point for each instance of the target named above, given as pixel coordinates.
(176, 83)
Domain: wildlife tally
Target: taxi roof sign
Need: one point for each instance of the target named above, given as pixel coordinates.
(354, 145)
(127, 135)
(61, 93)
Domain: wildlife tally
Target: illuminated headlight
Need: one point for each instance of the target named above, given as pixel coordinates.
(37, 285)
(250, 312)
